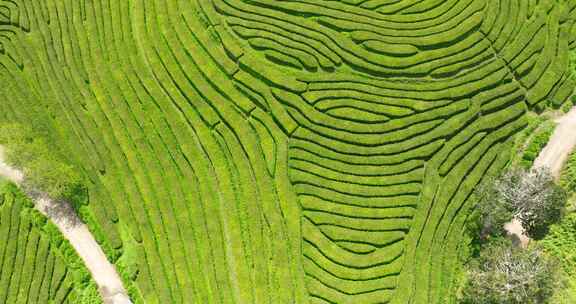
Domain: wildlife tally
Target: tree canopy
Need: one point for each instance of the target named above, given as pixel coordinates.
(531, 196)
(504, 274)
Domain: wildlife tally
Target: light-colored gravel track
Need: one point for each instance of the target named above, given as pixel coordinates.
(561, 144)
(75, 231)
(553, 157)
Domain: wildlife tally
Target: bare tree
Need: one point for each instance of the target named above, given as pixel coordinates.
(530, 196)
(509, 275)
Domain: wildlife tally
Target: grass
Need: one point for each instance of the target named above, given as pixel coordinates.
(568, 177)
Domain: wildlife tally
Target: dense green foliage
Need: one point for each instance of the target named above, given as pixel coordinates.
(36, 264)
(529, 142)
(496, 271)
(283, 151)
(537, 141)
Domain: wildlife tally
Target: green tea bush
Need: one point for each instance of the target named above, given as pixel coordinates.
(395, 108)
(536, 143)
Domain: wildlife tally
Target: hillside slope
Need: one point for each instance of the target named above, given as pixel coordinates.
(291, 151)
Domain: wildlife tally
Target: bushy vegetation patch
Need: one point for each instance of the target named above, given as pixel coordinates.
(504, 274)
(561, 240)
(561, 243)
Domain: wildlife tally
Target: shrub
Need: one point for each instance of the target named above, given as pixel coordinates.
(90, 295)
(54, 234)
(492, 212)
(537, 143)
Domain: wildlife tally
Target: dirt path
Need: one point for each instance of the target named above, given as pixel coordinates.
(75, 231)
(516, 232)
(553, 157)
(561, 144)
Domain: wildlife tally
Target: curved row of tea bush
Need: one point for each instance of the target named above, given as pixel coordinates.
(393, 120)
(36, 264)
(283, 151)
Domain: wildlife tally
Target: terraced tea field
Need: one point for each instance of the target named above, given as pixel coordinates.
(296, 151)
(37, 266)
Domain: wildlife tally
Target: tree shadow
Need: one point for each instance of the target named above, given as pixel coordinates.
(516, 241)
(59, 211)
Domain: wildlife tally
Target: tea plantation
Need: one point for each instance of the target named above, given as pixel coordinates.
(267, 151)
(37, 265)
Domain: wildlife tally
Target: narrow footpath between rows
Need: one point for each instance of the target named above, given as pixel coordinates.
(553, 157)
(75, 231)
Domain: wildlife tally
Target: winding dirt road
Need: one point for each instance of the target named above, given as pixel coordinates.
(561, 144)
(75, 231)
(553, 157)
